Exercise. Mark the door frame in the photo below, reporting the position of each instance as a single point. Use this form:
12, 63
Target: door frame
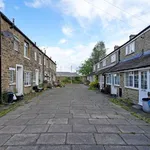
148, 84
36, 71
19, 66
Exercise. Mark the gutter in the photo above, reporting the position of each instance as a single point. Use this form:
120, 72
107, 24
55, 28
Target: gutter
0, 63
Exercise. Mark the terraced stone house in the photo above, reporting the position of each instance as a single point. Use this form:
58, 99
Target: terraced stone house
125, 72
21, 62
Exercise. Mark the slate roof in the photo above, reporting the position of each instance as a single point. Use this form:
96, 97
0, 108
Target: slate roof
139, 61
67, 74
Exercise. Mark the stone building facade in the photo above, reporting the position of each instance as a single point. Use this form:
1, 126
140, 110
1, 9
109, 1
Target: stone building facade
129, 75
22, 62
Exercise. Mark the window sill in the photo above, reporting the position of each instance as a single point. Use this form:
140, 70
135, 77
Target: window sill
129, 87
116, 85
16, 50
27, 57
40, 64
27, 85
12, 84
108, 83
129, 54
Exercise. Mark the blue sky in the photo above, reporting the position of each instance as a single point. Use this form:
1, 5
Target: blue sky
69, 29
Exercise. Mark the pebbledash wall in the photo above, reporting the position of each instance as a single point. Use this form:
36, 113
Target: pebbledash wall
13, 55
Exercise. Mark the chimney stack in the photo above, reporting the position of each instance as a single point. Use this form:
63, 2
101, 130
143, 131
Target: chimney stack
115, 47
131, 36
35, 43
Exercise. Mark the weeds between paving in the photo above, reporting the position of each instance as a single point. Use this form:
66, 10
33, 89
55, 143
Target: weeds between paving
127, 105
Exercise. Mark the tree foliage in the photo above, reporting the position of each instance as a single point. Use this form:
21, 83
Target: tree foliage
86, 67
98, 52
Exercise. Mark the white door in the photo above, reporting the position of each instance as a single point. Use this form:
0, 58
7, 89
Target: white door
113, 88
101, 82
37, 77
144, 86
19, 79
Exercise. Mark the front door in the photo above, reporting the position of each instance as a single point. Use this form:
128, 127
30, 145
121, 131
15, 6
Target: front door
37, 77
144, 85
19, 79
113, 88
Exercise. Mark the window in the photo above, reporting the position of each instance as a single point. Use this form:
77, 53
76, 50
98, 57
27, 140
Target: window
44, 61
40, 59
132, 79
116, 79
130, 48
144, 80
16, 43
11, 75
136, 79
35, 56
98, 65
26, 49
104, 62
47, 63
27, 78
113, 58
108, 79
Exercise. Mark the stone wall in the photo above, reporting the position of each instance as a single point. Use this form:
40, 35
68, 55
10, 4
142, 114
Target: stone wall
11, 57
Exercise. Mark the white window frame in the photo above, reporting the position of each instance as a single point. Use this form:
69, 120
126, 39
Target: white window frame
16, 43
40, 59
113, 58
98, 65
130, 48
11, 70
104, 62
35, 56
27, 78
132, 74
114, 76
26, 50
108, 79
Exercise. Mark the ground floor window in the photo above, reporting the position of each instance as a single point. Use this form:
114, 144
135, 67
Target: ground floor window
116, 79
11, 75
108, 78
144, 80
132, 79
27, 78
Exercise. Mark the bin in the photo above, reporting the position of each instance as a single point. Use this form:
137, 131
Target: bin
146, 104
10, 97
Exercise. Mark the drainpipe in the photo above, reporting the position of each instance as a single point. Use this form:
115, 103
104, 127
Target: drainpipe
0, 63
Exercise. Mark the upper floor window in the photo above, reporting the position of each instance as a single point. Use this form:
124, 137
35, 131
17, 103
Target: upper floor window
44, 61
47, 63
35, 56
94, 67
98, 65
130, 48
113, 58
26, 49
104, 62
40, 59
16, 43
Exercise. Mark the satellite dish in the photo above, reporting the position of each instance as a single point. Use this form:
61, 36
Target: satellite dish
7, 34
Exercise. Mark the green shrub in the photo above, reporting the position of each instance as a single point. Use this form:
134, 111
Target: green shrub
93, 85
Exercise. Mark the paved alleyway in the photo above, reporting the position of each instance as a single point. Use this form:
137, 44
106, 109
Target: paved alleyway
72, 118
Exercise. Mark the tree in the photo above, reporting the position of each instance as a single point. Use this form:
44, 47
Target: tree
99, 52
87, 67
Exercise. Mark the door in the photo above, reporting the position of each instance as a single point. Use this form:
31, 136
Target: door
144, 86
101, 82
37, 77
113, 88
19, 79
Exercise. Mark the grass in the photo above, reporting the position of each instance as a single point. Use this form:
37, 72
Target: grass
127, 105
92, 88
4, 109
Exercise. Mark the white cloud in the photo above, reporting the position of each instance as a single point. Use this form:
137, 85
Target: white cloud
38, 3
68, 31
65, 58
63, 41
2, 5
